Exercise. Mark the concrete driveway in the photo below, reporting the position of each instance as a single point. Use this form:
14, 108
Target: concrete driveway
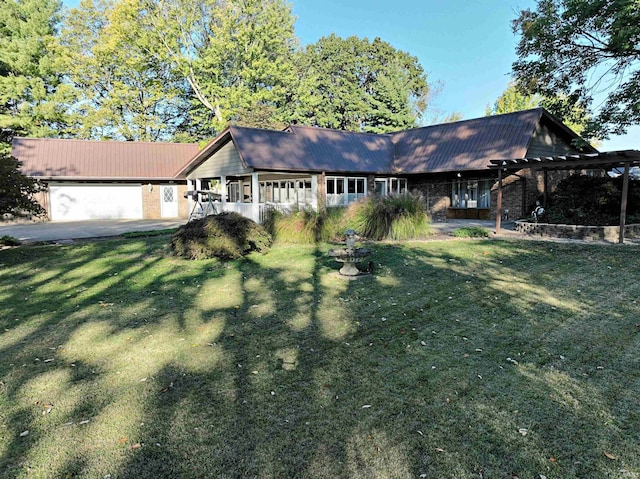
69, 230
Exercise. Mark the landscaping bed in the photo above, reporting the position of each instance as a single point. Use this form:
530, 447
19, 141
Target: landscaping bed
579, 232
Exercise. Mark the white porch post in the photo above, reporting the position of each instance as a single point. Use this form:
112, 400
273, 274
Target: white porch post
223, 193
345, 189
314, 192
198, 184
255, 197
189, 198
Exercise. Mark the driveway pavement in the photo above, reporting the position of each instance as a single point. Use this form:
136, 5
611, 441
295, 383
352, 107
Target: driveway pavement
69, 230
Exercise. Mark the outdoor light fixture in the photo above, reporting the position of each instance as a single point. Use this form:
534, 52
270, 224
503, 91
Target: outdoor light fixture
150, 187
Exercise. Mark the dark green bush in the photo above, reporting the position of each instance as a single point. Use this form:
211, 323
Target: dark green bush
225, 236
471, 232
590, 200
7, 240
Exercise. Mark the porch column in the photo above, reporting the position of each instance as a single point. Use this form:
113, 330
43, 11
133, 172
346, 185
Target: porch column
314, 192
255, 197
499, 205
345, 188
545, 200
623, 203
223, 193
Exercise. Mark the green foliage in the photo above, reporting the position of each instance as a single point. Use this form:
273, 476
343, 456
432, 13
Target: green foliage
354, 84
224, 236
16, 190
124, 92
307, 226
395, 217
471, 232
7, 240
578, 48
589, 200
33, 99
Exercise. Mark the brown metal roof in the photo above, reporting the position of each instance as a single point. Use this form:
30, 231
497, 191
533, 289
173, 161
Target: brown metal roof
302, 148
101, 160
465, 145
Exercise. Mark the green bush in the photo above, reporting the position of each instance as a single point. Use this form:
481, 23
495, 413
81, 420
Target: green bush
471, 232
590, 200
396, 217
7, 240
225, 236
307, 226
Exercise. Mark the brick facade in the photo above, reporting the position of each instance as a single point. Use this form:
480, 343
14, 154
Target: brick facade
152, 201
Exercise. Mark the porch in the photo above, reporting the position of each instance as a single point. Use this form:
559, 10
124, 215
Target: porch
252, 195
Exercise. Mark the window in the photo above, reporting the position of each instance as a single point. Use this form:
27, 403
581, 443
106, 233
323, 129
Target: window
356, 188
287, 191
390, 186
471, 194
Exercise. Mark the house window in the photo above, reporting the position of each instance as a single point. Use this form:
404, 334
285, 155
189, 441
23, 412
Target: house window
390, 186
234, 192
287, 192
344, 190
471, 194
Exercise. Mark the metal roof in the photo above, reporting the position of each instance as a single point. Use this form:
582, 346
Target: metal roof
50, 158
465, 145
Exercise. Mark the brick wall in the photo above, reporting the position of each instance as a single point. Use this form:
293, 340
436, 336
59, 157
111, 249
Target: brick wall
151, 201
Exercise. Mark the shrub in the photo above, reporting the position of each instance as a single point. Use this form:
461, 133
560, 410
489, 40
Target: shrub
225, 236
396, 217
7, 240
471, 232
306, 226
589, 200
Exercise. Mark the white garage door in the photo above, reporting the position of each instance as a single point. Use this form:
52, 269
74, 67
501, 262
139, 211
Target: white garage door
95, 202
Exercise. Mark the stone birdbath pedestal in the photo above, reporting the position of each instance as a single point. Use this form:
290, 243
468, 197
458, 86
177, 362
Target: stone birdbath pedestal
349, 256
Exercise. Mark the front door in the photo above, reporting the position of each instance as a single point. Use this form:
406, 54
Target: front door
169, 201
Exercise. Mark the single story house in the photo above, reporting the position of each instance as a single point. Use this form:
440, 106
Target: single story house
107, 179
251, 170
256, 169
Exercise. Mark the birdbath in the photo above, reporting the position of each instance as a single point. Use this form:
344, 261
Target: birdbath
350, 255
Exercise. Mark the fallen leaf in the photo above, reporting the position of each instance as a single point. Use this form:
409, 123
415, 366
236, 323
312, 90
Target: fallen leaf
523, 431
86, 421
24, 433
366, 406
552, 459
439, 449
122, 440
137, 445
611, 456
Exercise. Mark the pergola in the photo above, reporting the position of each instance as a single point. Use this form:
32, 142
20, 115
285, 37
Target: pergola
588, 161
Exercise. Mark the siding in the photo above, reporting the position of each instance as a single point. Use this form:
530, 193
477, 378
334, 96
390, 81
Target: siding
224, 162
544, 142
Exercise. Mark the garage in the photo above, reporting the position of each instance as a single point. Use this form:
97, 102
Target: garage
70, 202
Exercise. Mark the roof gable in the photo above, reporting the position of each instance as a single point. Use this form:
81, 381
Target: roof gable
50, 158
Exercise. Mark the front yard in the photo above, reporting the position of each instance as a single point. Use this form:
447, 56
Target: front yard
458, 359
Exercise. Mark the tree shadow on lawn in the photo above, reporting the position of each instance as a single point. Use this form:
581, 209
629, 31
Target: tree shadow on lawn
274, 367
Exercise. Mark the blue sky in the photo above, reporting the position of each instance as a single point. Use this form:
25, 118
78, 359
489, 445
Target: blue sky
467, 45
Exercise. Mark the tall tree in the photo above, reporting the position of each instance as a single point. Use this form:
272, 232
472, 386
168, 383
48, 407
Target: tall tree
578, 49
124, 93
354, 84
236, 55
33, 99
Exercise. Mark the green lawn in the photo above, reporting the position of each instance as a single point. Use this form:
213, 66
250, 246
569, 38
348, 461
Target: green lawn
458, 359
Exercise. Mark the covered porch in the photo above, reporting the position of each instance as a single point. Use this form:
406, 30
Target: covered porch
253, 194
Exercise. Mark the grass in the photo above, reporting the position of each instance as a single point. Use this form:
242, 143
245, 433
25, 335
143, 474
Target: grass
471, 232
149, 233
454, 360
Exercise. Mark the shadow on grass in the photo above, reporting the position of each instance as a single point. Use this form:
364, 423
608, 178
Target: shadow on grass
457, 359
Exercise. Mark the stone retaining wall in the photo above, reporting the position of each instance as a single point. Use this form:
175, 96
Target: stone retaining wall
606, 233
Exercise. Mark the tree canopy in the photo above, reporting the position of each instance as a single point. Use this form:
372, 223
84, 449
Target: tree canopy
149, 70
580, 49
354, 84
33, 99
